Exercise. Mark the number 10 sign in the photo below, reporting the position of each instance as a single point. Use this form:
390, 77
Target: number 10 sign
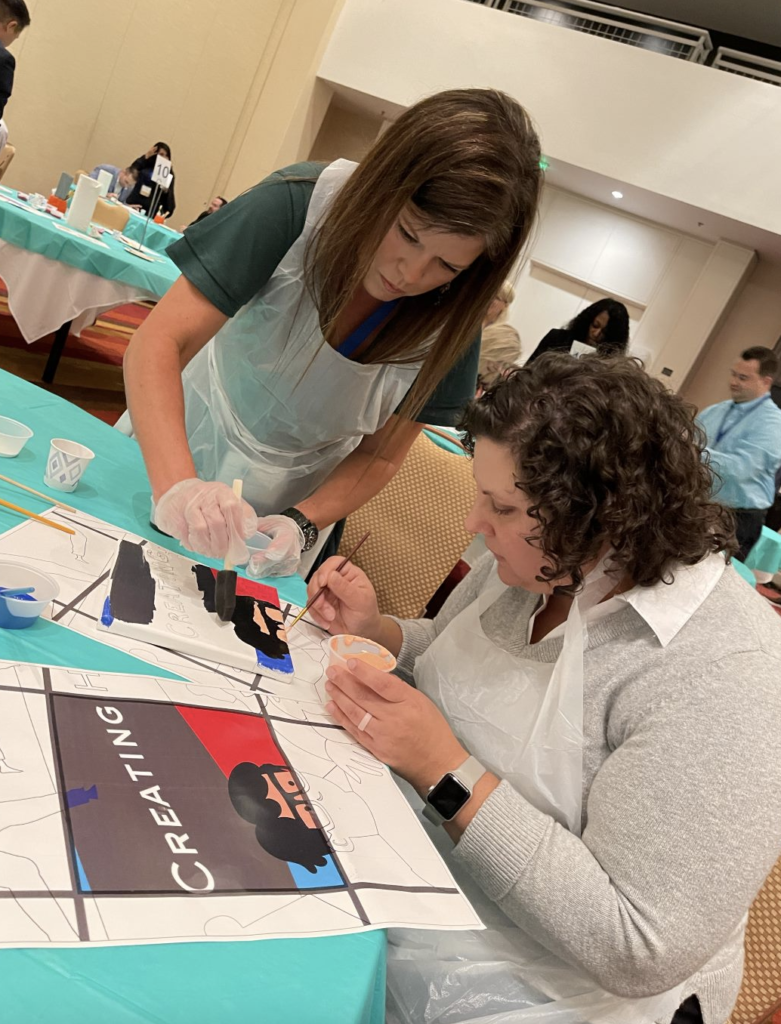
162, 173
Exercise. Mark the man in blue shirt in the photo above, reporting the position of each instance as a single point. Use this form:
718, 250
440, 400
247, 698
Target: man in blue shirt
744, 443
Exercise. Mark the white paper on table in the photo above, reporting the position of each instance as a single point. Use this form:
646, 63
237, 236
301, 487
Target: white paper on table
136, 769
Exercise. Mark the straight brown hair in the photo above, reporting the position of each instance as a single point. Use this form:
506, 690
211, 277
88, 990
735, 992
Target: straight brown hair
465, 161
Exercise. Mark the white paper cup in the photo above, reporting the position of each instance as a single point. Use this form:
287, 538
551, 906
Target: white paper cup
13, 437
66, 464
345, 646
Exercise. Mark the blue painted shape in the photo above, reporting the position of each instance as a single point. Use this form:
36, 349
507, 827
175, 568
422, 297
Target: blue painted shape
323, 876
277, 664
79, 797
84, 885
106, 618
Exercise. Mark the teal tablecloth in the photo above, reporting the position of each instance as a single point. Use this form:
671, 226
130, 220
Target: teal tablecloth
158, 236
294, 981
43, 234
766, 553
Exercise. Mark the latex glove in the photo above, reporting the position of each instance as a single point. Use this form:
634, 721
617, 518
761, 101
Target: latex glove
208, 518
349, 602
283, 555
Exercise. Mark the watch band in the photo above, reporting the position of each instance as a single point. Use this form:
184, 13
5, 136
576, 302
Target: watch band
307, 527
468, 774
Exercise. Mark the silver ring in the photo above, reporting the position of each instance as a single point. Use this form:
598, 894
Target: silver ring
365, 721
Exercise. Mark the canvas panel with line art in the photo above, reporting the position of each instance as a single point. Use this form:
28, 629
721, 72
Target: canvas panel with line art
167, 600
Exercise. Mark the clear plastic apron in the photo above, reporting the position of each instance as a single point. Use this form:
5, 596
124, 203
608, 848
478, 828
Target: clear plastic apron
524, 721
269, 401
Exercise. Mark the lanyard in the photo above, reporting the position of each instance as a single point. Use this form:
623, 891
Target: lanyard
723, 431
362, 331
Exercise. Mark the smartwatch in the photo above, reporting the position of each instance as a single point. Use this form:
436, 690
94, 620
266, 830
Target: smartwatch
446, 798
308, 528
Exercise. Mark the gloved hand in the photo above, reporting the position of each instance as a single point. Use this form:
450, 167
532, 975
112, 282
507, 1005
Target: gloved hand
208, 518
283, 555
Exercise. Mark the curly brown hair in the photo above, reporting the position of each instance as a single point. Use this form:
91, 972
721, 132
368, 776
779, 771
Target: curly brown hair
605, 453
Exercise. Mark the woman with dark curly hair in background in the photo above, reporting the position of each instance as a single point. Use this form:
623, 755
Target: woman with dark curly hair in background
603, 325
589, 719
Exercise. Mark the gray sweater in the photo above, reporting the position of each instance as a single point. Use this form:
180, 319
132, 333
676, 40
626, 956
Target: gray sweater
681, 795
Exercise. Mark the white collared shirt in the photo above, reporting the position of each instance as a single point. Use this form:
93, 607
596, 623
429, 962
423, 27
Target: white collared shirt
666, 608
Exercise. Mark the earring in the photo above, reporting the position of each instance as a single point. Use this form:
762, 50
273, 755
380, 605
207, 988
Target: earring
441, 292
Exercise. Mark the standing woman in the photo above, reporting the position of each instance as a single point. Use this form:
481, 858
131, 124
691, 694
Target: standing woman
321, 319
604, 325
142, 194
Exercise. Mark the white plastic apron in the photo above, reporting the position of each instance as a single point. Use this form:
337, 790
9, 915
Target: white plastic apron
270, 401
524, 721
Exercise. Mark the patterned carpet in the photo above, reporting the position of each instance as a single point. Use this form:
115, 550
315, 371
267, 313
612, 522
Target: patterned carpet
90, 372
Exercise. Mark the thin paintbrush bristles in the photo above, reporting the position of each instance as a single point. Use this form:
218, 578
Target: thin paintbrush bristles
339, 568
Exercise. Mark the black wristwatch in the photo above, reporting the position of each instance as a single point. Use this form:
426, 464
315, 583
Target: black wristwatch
308, 528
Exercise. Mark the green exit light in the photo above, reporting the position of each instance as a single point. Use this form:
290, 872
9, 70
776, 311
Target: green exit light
544, 164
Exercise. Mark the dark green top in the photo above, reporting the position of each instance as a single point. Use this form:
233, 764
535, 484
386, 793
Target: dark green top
230, 256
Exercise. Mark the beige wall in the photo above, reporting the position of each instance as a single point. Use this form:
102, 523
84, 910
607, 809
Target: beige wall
344, 133
231, 87
755, 319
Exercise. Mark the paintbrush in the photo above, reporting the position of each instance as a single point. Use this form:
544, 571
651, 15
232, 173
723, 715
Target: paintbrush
37, 518
38, 494
225, 585
339, 568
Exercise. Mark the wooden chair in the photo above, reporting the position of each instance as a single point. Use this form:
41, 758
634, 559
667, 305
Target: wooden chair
7, 154
761, 986
417, 528
111, 215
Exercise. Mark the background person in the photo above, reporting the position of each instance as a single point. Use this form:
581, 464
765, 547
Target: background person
344, 304
216, 204
500, 305
143, 193
14, 19
500, 350
608, 672
123, 180
744, 444
604, 325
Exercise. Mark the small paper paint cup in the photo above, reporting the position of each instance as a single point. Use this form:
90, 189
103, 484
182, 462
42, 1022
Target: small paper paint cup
66, 465
23, 612
13, 437
345, 647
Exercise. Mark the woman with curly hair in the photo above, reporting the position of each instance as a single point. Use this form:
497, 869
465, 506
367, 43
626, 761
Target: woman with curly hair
588, 716
604, 326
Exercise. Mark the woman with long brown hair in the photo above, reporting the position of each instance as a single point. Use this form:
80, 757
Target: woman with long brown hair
321, 319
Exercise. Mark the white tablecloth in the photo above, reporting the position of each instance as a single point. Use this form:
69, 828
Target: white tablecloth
43, 294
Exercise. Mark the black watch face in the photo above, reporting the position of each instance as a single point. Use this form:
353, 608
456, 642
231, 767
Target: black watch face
448, 796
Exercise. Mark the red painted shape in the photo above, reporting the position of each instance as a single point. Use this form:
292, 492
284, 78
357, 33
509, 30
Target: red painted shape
231, 738
252, 588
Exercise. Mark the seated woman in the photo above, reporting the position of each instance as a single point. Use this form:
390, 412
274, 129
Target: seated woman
604, 326
589, 716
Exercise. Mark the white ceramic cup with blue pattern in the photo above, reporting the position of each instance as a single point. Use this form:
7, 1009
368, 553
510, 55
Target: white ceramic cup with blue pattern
66, 464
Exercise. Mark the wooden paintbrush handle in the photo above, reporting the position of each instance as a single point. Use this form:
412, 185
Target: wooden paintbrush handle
37, 518
238, 486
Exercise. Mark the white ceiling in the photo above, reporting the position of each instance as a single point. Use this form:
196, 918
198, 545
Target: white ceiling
703, 224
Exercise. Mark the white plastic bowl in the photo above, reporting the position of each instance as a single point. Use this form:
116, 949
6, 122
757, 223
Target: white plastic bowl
13, 437
21, 612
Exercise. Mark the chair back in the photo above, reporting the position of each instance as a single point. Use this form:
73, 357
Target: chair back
7, 153
111, 215
417, 528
